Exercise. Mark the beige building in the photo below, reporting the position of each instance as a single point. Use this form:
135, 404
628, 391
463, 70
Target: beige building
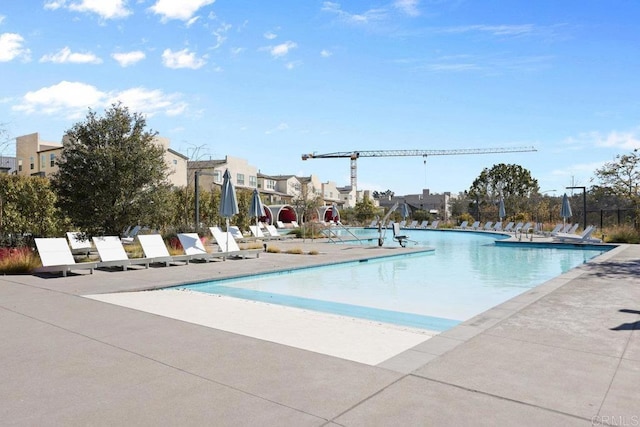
243, 175
37, 157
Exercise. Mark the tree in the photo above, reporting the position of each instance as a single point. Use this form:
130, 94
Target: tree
110, 172
383, 194
365, 209
27, 205
512, 182
622, 178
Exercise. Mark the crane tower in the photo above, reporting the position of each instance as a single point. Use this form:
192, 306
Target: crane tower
355, 155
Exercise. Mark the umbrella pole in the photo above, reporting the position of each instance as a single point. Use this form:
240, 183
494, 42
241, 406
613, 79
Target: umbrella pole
227, 235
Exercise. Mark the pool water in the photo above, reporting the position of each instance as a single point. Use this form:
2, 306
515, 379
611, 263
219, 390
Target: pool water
465, 275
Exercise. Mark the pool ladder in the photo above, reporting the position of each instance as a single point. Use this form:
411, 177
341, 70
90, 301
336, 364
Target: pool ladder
334, 238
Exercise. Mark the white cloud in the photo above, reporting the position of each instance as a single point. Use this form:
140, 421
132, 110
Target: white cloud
280, 128
2, 17
408, 7
178, 9
293, 64
325, 53
11, 47
235, 51
72, 99
128, 58
106, 9
68, 98
368, 16
66, 56
220, 34
149, 102
282, 49
269, 35
626, 140
496, 30
181, 59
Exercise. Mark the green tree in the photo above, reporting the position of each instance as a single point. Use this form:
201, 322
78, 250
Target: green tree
111, 172
621, 178
512, 182
27, 205
365, 210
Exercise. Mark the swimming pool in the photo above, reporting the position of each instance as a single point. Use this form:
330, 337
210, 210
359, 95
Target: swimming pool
465, 275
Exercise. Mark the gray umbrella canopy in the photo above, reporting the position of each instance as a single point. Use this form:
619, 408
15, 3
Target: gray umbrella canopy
502, 213
256, 209
565, 211
404, 210
228, 201
334, 212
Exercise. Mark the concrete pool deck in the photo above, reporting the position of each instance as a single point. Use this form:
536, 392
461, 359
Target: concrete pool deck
566, 352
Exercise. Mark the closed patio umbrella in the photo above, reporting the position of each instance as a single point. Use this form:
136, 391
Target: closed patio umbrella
501, 211
228, 201
565, 211
404, 210
256, 208
334, 213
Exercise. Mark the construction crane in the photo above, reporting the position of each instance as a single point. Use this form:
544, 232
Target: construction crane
354, 155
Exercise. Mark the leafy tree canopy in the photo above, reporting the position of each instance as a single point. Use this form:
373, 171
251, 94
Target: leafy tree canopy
621, 178
111, 173
512, 182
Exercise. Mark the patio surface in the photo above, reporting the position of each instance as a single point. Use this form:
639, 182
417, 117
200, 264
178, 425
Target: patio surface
564, 353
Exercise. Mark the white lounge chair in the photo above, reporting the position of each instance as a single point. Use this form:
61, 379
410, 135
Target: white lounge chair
275, 234
403, 223
236, 233
497, 226
413, 224
78, 244
112, 253
424, 224
194, 248
154, 248
229, 247
256, 231
434, 224
488, 225
509, 227
463, 225
295, 224
585, 237
475, 225
56, 256
129, 238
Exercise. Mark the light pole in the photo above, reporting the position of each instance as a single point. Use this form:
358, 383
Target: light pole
584, 203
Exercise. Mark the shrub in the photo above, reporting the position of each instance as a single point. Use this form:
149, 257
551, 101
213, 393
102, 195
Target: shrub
273, 249
18, 260
295, 251
621, 234
313, 252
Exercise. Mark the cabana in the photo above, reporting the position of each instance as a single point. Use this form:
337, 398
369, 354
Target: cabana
283, 213
326, 213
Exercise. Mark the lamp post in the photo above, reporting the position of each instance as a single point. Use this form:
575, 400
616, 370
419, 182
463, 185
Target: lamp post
584, 203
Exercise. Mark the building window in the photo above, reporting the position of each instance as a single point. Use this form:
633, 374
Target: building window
240, 179
217, 176
43, 161
253, 181
32, 165
175, 162
19, 165
52, 159
271, 184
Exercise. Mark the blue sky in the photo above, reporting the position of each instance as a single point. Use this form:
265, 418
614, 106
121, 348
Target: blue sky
271, 80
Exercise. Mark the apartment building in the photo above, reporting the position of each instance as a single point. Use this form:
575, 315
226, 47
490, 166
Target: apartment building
37, 157
211, 172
